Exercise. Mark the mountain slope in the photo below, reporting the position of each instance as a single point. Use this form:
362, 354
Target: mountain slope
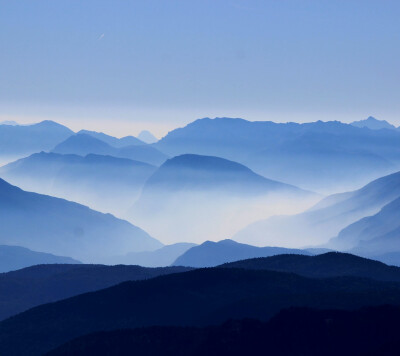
193, 197
210, 254
84, 144
57, 226
326, 219
105, 183
48, 283
347, 156
16, 257
200, 297
373, 235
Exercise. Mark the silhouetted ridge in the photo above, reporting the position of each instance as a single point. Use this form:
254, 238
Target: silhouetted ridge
194, 298
331, 264
296, 331
51, 282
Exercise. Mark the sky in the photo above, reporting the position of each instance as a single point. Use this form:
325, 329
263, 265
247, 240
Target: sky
122, 66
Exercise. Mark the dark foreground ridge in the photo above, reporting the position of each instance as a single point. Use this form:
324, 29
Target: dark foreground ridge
297, 331
48, 283
331, 264
196, 298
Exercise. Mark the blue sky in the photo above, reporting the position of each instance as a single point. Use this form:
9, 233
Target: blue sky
126, 65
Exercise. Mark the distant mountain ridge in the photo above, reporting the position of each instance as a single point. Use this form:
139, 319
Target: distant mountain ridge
373, 124
147, 136
17, 140
113, 141
211, 254
106, 183
17, 257
346, 156
84, 144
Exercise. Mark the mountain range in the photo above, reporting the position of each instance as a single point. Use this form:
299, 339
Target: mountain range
326, 265
193, 298
105, 183
17, 141
32, 286
57, 226
346, 156
113, 141
326, 219
193, 196
83, 144
374, 124
294, 331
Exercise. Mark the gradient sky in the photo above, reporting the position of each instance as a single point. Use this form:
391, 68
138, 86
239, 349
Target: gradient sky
121, 66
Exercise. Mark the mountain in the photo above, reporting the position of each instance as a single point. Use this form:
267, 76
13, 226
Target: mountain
195, 298
113, 141
210, 254
8, 122
326, 219
373, 124
327, 265
48, 283
84, 144
147, 136
162, 257
294, 331
346, 156
105, 183
193, 197
52, 225
17, 141
16, 257
374, 235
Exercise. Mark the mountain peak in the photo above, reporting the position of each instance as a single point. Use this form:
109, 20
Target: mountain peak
374, 124
147, 137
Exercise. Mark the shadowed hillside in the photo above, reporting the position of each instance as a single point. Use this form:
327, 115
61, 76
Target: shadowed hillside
294, 331
28, 287
199, 297
62, 227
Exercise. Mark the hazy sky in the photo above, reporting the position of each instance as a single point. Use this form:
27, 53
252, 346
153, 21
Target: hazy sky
121, 65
